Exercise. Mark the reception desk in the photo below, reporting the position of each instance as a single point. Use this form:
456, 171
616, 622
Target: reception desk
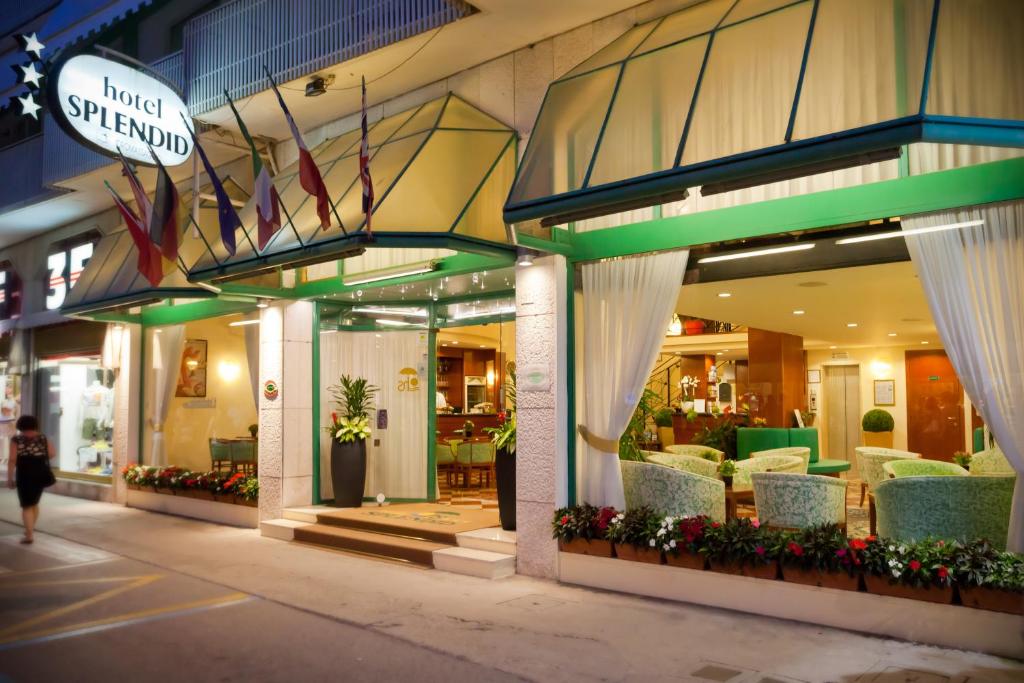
684, 430
451, 425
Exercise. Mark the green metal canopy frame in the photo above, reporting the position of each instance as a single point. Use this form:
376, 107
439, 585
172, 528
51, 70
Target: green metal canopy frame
440, 171
111, 281
646, 118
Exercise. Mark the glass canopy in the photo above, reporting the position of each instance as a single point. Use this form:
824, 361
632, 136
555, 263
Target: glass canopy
440, 173
737, 93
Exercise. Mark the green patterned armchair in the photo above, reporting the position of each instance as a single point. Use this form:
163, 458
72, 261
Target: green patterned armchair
767, 463
672, 492
870, 460
684, 463
991, 461
962, 508
915, 467
798, 451
694, 450
799, 501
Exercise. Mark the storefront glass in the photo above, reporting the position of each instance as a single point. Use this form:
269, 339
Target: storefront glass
76, 397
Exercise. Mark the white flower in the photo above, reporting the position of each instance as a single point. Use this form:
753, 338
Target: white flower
892, 547
665, 547
669, 520
896, 573
653, 544
672, 543
903, 550
661, 532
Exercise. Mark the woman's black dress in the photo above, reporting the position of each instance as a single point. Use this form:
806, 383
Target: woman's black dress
32, 468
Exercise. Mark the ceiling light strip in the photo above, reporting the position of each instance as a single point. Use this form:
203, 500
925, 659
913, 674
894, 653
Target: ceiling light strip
906, 233
756, 252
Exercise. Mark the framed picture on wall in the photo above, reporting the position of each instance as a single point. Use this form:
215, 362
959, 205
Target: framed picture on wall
885, 392
192, 374
814, 376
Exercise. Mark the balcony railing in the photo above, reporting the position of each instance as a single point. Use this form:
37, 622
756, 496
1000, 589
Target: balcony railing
227, 47
172, 68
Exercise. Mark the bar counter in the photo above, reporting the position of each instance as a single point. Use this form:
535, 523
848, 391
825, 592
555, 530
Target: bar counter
451, 425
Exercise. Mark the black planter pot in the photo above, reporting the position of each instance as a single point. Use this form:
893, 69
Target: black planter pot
348, 473
505, 471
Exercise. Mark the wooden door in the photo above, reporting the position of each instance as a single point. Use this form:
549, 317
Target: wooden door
935, 408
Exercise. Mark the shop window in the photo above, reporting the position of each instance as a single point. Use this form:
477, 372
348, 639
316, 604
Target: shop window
76, 397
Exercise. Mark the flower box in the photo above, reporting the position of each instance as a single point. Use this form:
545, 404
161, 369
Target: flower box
164, 490
757, 571
633, 553
814, 577
686, 560
248, 503
879, 585
581, 546
993, 599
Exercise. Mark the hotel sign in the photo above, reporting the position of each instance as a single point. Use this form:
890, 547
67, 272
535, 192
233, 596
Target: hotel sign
109, 106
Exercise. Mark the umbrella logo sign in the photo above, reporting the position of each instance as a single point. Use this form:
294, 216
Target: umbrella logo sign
270, 390
409, 380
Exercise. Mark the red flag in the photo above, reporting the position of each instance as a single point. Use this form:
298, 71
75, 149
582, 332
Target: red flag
149, 264
364, 168
309, 175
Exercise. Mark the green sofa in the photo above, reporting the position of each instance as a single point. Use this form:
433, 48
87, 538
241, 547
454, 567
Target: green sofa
752, 439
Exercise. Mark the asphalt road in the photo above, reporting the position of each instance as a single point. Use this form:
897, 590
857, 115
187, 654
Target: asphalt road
69, 612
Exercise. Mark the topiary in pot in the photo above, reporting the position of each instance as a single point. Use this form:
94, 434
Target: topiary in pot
878, 425
663, 421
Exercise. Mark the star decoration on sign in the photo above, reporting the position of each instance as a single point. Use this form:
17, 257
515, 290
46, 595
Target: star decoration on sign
29, 106
32, 44
30, 74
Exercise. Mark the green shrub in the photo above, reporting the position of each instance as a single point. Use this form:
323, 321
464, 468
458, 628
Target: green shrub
877, 420
663, 417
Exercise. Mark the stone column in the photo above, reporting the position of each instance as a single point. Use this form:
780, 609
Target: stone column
286, 422
541, 464
127, 408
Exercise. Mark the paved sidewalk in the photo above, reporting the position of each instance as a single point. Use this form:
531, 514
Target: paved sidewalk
534, 629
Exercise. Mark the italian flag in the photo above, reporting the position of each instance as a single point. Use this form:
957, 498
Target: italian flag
268, 209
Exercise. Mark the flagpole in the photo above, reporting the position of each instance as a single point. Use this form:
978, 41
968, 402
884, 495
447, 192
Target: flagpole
330, 201
195, 140
280, 203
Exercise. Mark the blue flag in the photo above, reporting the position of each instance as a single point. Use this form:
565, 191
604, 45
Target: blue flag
226, 214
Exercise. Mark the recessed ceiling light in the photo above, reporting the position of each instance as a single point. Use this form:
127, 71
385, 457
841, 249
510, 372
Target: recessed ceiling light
832, 347
482, 346
798, 311
725, 350
924, 342
812, 283
892, 334
851, 324
719, 353
724, 295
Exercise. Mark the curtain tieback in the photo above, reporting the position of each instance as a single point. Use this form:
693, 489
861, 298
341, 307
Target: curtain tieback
157, 426
595, 441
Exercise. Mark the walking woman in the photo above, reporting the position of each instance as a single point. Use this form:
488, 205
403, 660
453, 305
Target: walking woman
29, 465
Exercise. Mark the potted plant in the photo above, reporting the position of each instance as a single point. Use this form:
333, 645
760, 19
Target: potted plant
663, 421
727, 470
683, 540
583, 529
467, 428
822, 556
919, 571
878, 425
721, 436
963, 459
741, 546
253, 430
688, 384
504, 438
989, 579
634, 534
349, 429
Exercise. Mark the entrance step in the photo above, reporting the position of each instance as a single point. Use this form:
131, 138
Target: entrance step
493, 539
472, 562
305, 514
400, 548
281, 529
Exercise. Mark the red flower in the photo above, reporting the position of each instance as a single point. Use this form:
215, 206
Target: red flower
795, 548
915, 565
872, 538
858, 544
943, 572
564, 520
759, 550
604, 517
715, 524
841, 552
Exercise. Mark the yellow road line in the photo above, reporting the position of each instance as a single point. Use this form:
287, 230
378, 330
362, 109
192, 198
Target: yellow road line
69, 582
9, 575
141, 614
60, 611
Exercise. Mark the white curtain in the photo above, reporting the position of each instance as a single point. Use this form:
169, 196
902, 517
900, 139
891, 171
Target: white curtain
973, 278
627, 305
396, 456
167, 345
252, 357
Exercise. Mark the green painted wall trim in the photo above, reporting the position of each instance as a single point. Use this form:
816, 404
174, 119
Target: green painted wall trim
458, 264
183, 313
316, 405
981, 184
570, 380
431, 407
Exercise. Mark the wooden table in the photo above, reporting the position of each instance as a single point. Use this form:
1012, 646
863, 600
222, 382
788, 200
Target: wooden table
734, 498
